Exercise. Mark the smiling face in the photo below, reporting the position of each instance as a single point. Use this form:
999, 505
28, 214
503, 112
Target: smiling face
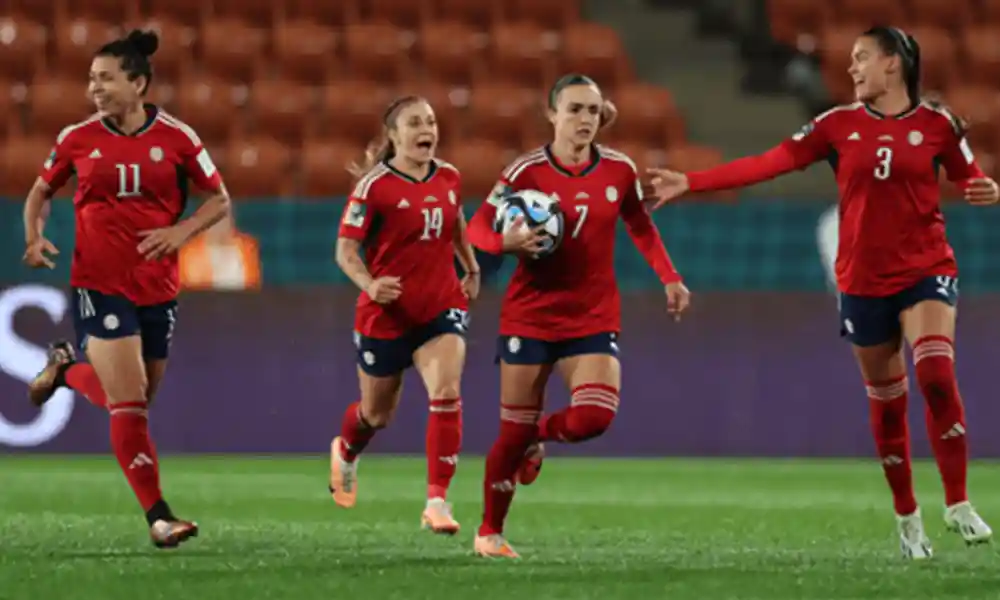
110, 88
577, 114
872, 69
414, 133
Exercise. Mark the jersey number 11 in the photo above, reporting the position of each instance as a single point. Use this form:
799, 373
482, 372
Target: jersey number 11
128, 180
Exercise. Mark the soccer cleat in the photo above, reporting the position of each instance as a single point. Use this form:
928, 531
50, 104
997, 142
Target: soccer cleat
343, 476
438, 518
531, 465
913, 542
170, 534
963, 519
494, 546
43, 385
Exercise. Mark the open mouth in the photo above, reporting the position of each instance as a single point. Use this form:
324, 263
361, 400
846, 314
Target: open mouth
425, 144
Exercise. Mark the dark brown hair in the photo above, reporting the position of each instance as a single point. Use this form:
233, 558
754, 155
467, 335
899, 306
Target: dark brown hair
893, 41
381, 148
608, 111
133, 52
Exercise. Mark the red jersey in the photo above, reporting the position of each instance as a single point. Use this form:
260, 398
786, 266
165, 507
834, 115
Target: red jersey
408, 230
573, 293
127, 184
892, 232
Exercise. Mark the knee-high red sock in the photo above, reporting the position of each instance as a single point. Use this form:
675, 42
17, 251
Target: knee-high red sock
444, 441
355, 432
518, 430
592, 408
81, 378
887, 410
134, 451
934, 357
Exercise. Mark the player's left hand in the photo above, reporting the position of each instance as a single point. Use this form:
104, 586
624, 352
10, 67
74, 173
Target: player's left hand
157, 243
470, 285
982, 191
678, 299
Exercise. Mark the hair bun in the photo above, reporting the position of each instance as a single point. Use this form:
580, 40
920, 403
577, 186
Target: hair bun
145, 42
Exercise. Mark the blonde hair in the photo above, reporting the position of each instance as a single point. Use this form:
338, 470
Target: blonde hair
381, 148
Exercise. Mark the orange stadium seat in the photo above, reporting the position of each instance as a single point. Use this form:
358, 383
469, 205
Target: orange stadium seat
979, 107
645, 113
174, 56
112, 11
981, 45
989, 11
55, 103
259, 13
22, 47
281, 109
331, 14
21, 161
189, 12
553, 15
479, 14
642, 154
695, 158
597, 51
481, 163
950, 14
835, 45
40, 12
324, 167
447, 103
378, 51
232, 49
258, 167
76, 40
862, 14
452, 52
305, 50
408, 14
206, 103
522, 53
790, 18
352, 110
938, 56
499, 111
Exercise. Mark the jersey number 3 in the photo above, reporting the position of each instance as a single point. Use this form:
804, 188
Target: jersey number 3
128, 180
884, 167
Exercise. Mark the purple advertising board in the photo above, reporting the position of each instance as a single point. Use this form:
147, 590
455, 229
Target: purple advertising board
745, 374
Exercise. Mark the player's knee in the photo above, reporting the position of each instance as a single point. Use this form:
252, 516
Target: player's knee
935, 368
377, 417
594, 407
449, 389
128, 387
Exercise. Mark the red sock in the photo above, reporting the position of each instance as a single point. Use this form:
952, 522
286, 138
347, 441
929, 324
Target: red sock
934, 357
444, 441
887, 410
134, 451
81, 378
355, 432
592, 408
518, 430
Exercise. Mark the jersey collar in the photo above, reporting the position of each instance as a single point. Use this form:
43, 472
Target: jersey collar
432, 169
575, 170
152, 112
876, 114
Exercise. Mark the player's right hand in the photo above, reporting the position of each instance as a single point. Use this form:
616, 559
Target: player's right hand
522, 240
667, 185
385, 290
36, 251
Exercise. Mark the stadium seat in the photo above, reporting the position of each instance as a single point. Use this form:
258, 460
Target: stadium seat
693, 157
448, 104
406, 14
979, 106
481, 15
378, 51
553, 15
175, 54
331, 14
646, 113
9, 109
56, 102
938, 56
989, 11
790, 18
206, 103
352, 110
498, 111
642, 154
258, 167
111, 11
522, 53
189, 12
43, 13
281, 109
21, 162
22, 47
76, 40
452, 52
232, 49
481, 163
950, 14
324, 167
835, 46
305, 50
258, 13
862, 14
597, 51
981, 45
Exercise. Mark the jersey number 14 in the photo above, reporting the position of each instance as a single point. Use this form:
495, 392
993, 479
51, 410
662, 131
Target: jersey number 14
128, 180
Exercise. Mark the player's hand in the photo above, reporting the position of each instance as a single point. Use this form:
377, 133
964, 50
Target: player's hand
678, 299
667, 185
385, 290
35, 254
982, 191
522, 240
157, 243
470, 285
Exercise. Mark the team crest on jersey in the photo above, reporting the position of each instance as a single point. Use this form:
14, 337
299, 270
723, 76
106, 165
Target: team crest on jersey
611, 193
156, 154
430, 199
915, 138
806, 130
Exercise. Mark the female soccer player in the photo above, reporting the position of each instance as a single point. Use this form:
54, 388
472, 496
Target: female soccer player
128, 205
895, 270
562, 312
406, 214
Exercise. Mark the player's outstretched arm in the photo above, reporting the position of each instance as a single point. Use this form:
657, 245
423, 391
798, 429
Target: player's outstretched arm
480, 230
37, 206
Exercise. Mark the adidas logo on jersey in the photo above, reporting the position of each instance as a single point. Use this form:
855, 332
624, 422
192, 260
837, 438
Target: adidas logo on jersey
854, 136
95, 154
404, 203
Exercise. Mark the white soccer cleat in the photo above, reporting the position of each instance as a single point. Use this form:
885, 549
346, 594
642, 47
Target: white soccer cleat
913, 542
963, 519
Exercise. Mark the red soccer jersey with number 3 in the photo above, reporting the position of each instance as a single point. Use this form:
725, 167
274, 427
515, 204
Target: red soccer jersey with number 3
127, 184
407, 229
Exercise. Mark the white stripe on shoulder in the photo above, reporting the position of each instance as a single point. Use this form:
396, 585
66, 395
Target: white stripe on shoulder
71, 128
443, 164
616, 155
366, 182
837, 109
523, 162
953, 120
172, 121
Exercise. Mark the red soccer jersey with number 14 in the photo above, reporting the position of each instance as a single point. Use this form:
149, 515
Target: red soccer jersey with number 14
407, 228
127, 184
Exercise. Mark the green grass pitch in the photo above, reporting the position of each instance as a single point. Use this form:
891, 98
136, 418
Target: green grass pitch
588, 529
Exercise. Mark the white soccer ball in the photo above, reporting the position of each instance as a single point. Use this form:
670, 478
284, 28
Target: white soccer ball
538, 210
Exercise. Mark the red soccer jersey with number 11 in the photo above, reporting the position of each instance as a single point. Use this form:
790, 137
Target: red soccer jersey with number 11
127, 184
891, 228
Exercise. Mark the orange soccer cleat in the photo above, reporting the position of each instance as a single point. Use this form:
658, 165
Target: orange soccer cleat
437, 517
343, 476
531, 466
494, 546
170, 534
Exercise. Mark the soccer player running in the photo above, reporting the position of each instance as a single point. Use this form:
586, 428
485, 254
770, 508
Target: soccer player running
896, 272
131, 161
562, 312
401, 231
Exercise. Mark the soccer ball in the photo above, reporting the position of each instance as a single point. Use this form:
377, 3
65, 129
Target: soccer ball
538, 210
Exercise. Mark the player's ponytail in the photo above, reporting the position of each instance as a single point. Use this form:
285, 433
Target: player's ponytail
133, 52
381, 148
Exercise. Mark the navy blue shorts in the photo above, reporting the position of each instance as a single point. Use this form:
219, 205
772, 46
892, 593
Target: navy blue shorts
107, 317
516, 350
869, 321
383, 358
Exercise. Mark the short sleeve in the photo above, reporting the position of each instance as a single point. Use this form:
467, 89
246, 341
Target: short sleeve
58, 167
196, 161
811, 144
956, 156
355, 222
